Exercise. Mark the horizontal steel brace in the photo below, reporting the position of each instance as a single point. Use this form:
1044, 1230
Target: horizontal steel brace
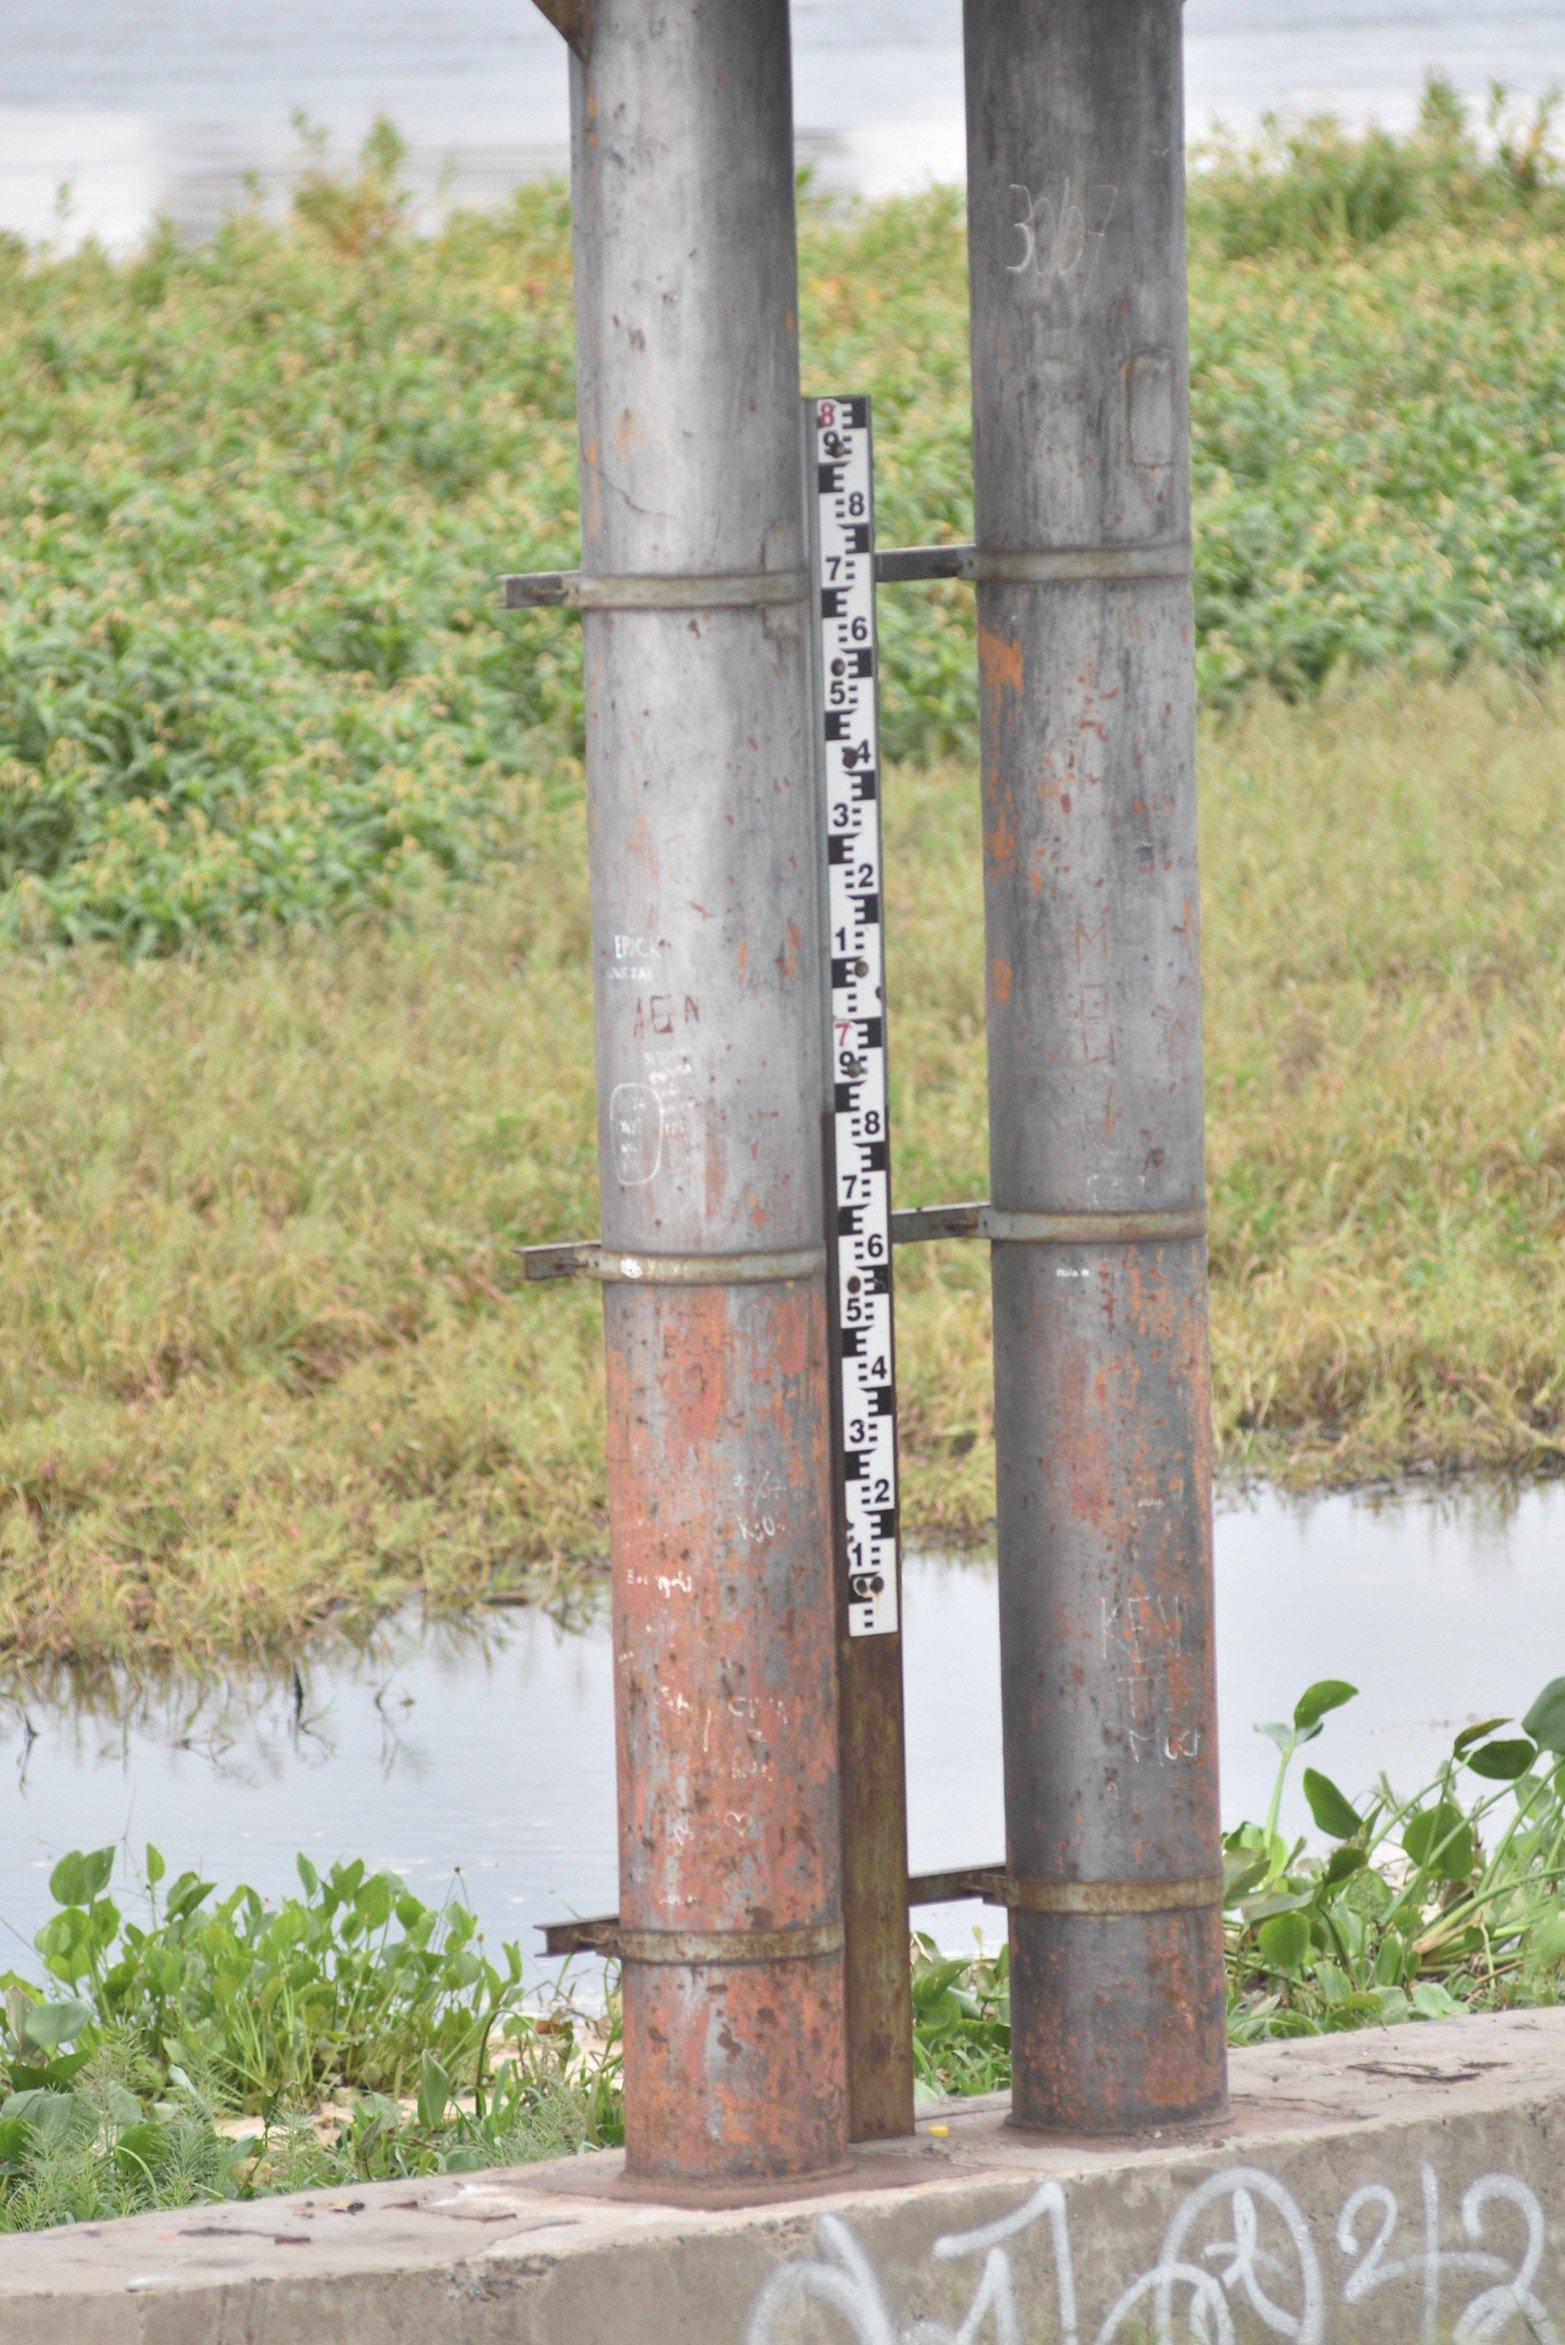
573, 18
612, 1266
805, 1944
582, 590
989, 1884
983, 1220
1053, 566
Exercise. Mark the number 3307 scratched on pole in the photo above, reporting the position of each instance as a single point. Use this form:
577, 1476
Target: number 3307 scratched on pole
845, 578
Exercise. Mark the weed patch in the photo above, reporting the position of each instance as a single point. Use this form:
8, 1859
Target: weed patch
255, 496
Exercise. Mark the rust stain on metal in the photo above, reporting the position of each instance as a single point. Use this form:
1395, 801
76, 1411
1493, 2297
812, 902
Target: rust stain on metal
1000, 979
1000, 661
1000, 828
724, 1629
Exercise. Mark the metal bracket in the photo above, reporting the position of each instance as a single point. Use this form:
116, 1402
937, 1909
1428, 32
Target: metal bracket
573, 19
1110, 1897
989, 1884
983, 1220
612, 1267
605, 1936
919, 1224
584, 590
1051, 566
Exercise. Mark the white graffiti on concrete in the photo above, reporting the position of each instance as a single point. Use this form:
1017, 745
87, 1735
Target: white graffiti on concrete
1267, 2262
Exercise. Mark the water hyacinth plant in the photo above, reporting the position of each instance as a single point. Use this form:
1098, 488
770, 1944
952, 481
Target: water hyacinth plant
1452, 1900
225, 2047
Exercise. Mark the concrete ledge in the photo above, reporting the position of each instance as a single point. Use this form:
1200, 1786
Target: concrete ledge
1404, 2186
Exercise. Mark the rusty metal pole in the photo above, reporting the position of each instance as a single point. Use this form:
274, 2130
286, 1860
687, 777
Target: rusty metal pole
704, 846
1081, 457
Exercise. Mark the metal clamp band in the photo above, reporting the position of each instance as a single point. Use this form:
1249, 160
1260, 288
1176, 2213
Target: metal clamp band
1092, 1229
1108, 1897
805, 1943
612, 1266
584, 590
1052, 566
982, 1220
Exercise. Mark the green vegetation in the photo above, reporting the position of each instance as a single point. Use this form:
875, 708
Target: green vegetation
230, 2049
254, 497
1422, 1908
269, 1359
278, 1119
225, 2049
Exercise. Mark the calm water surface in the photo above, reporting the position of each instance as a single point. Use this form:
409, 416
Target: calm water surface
491, 1754
148, 105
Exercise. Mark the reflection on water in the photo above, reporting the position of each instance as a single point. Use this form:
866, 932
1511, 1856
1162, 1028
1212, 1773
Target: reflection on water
142, 106
486, 1753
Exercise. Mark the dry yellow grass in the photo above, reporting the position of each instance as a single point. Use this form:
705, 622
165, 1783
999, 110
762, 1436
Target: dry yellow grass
266, 1357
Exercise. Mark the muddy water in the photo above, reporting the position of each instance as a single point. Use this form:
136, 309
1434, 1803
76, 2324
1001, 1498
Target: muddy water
488, 1756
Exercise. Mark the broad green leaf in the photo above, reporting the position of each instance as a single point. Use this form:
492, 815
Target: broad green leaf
49, 2025
1283, 1736
67, 1883
157, 1865
307, 1874
1432, 2001
1259, 1909
145, 2145
1329, 1693
1545, 1721
1503, 1762
1543, 1947
1440, 1840
1471, 1734
1356, 2009
374, 1902
1332, 1810
119, 2106
97, 1872
434, 2093
1242, 1871
1341, 1865
1284, 1941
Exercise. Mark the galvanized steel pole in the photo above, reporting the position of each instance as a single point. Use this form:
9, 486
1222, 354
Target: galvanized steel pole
710, 1018
1081, 455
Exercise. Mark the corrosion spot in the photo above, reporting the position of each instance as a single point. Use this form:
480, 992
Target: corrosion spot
1000, 979
1000, 661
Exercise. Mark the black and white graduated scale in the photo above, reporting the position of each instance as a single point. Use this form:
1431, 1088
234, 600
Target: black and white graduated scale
843, 536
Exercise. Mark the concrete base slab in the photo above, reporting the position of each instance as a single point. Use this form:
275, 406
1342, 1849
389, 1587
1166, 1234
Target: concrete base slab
1401, 2185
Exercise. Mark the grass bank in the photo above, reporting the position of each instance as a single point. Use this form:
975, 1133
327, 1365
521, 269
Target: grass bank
269, 1358
294, 1047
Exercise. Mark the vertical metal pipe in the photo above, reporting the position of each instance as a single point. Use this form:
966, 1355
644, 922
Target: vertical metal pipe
1081, 456
703, 833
